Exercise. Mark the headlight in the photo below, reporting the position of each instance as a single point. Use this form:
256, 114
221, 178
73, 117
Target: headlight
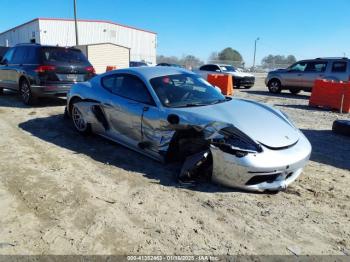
233, 141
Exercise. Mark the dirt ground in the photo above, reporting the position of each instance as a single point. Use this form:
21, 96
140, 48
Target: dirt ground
61, 193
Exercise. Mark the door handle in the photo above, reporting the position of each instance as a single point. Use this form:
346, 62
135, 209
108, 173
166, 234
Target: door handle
300, 74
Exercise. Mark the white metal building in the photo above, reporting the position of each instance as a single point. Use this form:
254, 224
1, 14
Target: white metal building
107, 54
53, 31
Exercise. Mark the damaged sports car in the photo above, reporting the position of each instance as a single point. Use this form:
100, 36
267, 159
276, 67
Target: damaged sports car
171, 114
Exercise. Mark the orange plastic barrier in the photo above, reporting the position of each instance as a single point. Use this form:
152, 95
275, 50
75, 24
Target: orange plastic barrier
331, 94
110, 68
224, 82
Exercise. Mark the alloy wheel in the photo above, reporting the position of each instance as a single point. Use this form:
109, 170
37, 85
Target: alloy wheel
25, 92
78, 119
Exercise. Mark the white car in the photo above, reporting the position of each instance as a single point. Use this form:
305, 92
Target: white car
239, 78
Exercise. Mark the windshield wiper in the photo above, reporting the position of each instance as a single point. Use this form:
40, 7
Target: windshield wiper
190, 105
218, 101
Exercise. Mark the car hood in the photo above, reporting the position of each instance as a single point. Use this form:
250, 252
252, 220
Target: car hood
260, 122
278, 71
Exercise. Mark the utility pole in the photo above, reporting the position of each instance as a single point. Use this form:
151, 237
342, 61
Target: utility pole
256, 40
76, 23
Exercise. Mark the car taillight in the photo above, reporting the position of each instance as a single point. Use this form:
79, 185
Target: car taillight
45, 68
90, 69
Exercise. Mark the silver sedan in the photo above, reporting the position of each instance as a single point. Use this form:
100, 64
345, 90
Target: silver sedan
171, 114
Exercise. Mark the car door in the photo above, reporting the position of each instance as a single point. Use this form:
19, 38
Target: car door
294, 75
124, 107
15, 67
4, 68
314, 70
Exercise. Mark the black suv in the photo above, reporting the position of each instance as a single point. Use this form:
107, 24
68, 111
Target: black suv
37, 70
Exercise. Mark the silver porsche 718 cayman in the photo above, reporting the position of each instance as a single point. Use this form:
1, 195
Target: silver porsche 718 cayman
171, 114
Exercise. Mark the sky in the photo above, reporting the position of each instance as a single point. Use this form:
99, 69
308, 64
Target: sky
304, 28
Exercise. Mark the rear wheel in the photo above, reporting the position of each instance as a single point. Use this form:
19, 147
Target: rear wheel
26, 93
295, 91
79, 122
275, 86
247, 87
1, 91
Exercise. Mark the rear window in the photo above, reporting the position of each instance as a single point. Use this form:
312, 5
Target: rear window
63, 55
339, 67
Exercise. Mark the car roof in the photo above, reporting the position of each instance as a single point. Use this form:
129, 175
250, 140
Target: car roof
153, 71
324, 59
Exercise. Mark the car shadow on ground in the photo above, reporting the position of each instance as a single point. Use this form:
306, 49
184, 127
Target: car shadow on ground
12, 99
281, 95
59, 131
304, 107
329, 148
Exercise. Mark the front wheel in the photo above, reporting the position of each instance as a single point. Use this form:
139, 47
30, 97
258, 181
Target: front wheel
275, 86
79, 122
247, 87
26, 93
1, 91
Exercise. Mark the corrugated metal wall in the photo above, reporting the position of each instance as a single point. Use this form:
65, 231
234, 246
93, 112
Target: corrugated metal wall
103, 55
141, 43
22, 34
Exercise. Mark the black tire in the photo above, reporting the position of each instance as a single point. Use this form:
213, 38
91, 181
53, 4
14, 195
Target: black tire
275, 86
341, 127
26, 93
295, 91
248, 87
1, 91
65, 114
78, 121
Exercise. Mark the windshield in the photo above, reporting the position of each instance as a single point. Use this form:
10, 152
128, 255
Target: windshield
228, 68
185, 90
58, 55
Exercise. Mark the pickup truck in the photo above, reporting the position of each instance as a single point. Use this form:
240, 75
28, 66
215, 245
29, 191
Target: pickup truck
239, 78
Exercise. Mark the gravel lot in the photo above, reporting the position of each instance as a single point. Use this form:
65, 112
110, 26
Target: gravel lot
61, 193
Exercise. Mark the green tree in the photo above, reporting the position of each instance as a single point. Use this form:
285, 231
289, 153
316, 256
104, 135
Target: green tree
273, 61
230, 55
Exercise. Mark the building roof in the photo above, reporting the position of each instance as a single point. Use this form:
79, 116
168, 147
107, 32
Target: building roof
79, 20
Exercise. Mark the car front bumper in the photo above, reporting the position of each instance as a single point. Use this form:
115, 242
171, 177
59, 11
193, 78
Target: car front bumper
270, 170
244, 81
51, 90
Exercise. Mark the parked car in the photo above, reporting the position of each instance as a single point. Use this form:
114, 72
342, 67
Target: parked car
170, 113
239, 78
302, 75
3, 50
167, 64
137, 64
37, 70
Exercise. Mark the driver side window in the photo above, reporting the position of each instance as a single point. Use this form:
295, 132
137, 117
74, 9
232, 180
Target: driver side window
128, 86
298, 67
7, 59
